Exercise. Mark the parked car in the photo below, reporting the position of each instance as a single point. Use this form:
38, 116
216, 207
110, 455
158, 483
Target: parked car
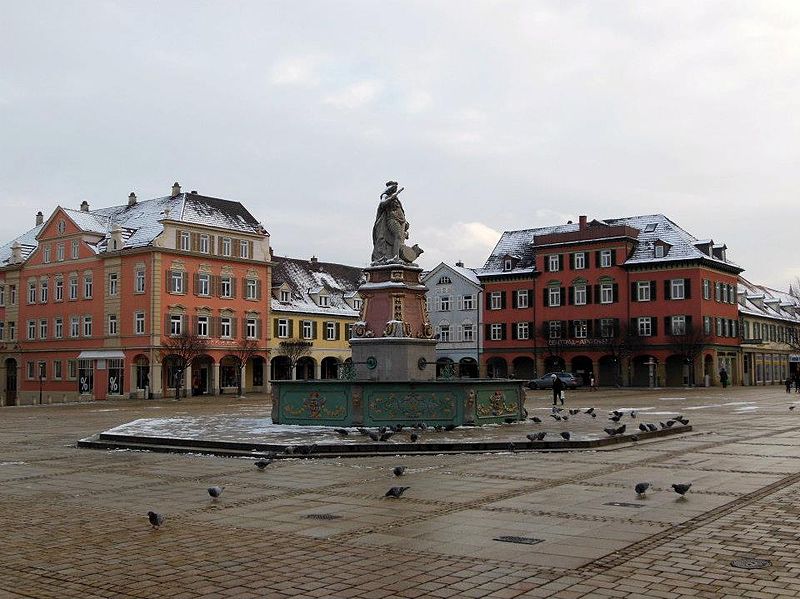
570, 381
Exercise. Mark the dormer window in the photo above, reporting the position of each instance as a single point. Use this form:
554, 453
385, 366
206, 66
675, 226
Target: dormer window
285, 296
184, 241
324, 301
507, 265
444, 280
357, 304
659, 251
650, 227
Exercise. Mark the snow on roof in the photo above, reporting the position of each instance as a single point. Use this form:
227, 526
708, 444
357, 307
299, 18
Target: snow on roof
28, 242
338, 281
763, 301
467, 273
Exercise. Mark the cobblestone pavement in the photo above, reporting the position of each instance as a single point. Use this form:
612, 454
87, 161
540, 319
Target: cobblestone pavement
74, 521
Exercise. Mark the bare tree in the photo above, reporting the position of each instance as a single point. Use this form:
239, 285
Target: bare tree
241, 353
553, 346
294, 349
180, 350
622, 343
689, 345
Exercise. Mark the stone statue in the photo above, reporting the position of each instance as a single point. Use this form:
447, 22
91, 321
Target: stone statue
391, 230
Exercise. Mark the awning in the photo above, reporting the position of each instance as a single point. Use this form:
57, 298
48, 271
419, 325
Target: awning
102, 354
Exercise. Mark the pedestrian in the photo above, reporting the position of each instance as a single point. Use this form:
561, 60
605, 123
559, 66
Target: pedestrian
797, 382
723, 377
788, 384
558, 390
592, 382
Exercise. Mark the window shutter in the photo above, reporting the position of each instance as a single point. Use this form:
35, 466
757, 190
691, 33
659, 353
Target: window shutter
561, 262
196, 277
185, 325
488, 301
530, 298
275, 328
572, 261
562, 327
291, 328
654, 323
688, 323
687, 289
547, 264
634, 292
570, 328
195, 241
653, 287
596, 294
213, 326
258, 328
503, 331
667, 326
545, 297
258, 289
185, 278
613, 257
571, 295
338, 329
514, 330
234, 322
168, 281
667, 289
211, 239
503, 299
488, 332
233, 287
166, 324
597, 258
250, 249
514, 303
563, 293
219, 245
589, 294
589, 328
634, 326
615, 292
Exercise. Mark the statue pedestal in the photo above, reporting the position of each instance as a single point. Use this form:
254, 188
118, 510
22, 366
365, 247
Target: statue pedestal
394, 341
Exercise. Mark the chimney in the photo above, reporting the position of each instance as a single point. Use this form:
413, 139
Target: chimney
84, 206
132, 199
116, 238
176, 189
16, 253
39, 218
314, 263
460, 264
582, 222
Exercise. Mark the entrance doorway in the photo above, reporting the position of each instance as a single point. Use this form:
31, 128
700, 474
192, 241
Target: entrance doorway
11, 382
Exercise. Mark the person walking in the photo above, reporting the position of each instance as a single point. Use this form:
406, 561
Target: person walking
592, 382
558, 390
797, 382
788, 384
723, 377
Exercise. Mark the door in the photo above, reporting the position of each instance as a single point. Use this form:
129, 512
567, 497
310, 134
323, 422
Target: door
11, 382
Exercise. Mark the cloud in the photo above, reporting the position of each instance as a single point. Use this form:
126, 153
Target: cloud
418, 101
296, 70
470, 242
356, 95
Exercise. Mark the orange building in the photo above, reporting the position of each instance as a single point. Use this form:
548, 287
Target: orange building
88, 299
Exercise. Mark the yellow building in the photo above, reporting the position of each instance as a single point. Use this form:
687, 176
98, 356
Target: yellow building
313, 307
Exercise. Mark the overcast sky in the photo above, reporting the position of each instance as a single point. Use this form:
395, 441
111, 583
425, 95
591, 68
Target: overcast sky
492, 115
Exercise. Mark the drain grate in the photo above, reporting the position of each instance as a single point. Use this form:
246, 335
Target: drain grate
751, 563
520, 540
623, 504
322, 516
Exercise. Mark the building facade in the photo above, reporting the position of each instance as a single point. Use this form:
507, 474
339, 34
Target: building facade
90, 299
315, 304
630, 301
453, 298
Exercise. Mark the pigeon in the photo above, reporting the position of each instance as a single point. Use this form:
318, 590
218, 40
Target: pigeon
536, 436
262, 464
215, 491
423, 426
373, 435
565, 418
343, 432
670, 423
451, 427
399, 470
594, 415
651, 427
156, 519
643, 427
382, 429
565, 435
634, 438
640, 488
633, 413
306, 449
615, 417
537, 420
574, 411
386, 436
396, 492
682, 420
682, 488
620, 430
617, 413
438, 427
557, 417
610, 431
396, 428
510, 420
363, 431
413, 437
792, 407
662, 425
589, 411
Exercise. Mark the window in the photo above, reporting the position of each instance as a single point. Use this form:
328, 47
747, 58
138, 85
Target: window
444, 280
31, 370
726, 329
308, 329
44, 288
58, 328
659, 251
553, 263
606, 293
139, 284
607, 328
87, 286
645, 326
226, 246
204, 284
176, 281
356, 304
579, 295
32, 292
244, 249
330, 331
605, 258
59, 289
507, 264
43, 329
2, 327
718, 291
283, 328
175, 324
73, 287
74, 326
252, 289
184, 241
555, 329
46, 255
85, 376
204, 243
676, 289
12, 330
522, 298
523, 330
226, 327
554, 296
138, 323
251, 328
496, 332
112, 324
31, 330
706, 289
725, 293
285, 296
444, 333
469, 302
324, 301
643, 291
42, 370
72, 369
61, 226
75, 249
468, 332
495, 300
580, 330
87, 326
350, 331
225, 287
678, 325
579, 261
57, 370
12, 295
60, 252
2, 295
444, 303
202, 326
113, 283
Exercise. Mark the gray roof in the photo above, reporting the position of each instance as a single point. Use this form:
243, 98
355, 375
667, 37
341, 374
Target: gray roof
28, 242
337, 281
763, 301
520, 244
467, 273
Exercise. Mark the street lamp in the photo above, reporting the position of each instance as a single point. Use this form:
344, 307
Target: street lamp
41, 380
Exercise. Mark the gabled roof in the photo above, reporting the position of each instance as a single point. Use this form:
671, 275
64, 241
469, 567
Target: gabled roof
304, 278
462, 271
763, 301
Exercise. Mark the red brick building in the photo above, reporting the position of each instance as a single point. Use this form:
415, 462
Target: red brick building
635, 301
89, 297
